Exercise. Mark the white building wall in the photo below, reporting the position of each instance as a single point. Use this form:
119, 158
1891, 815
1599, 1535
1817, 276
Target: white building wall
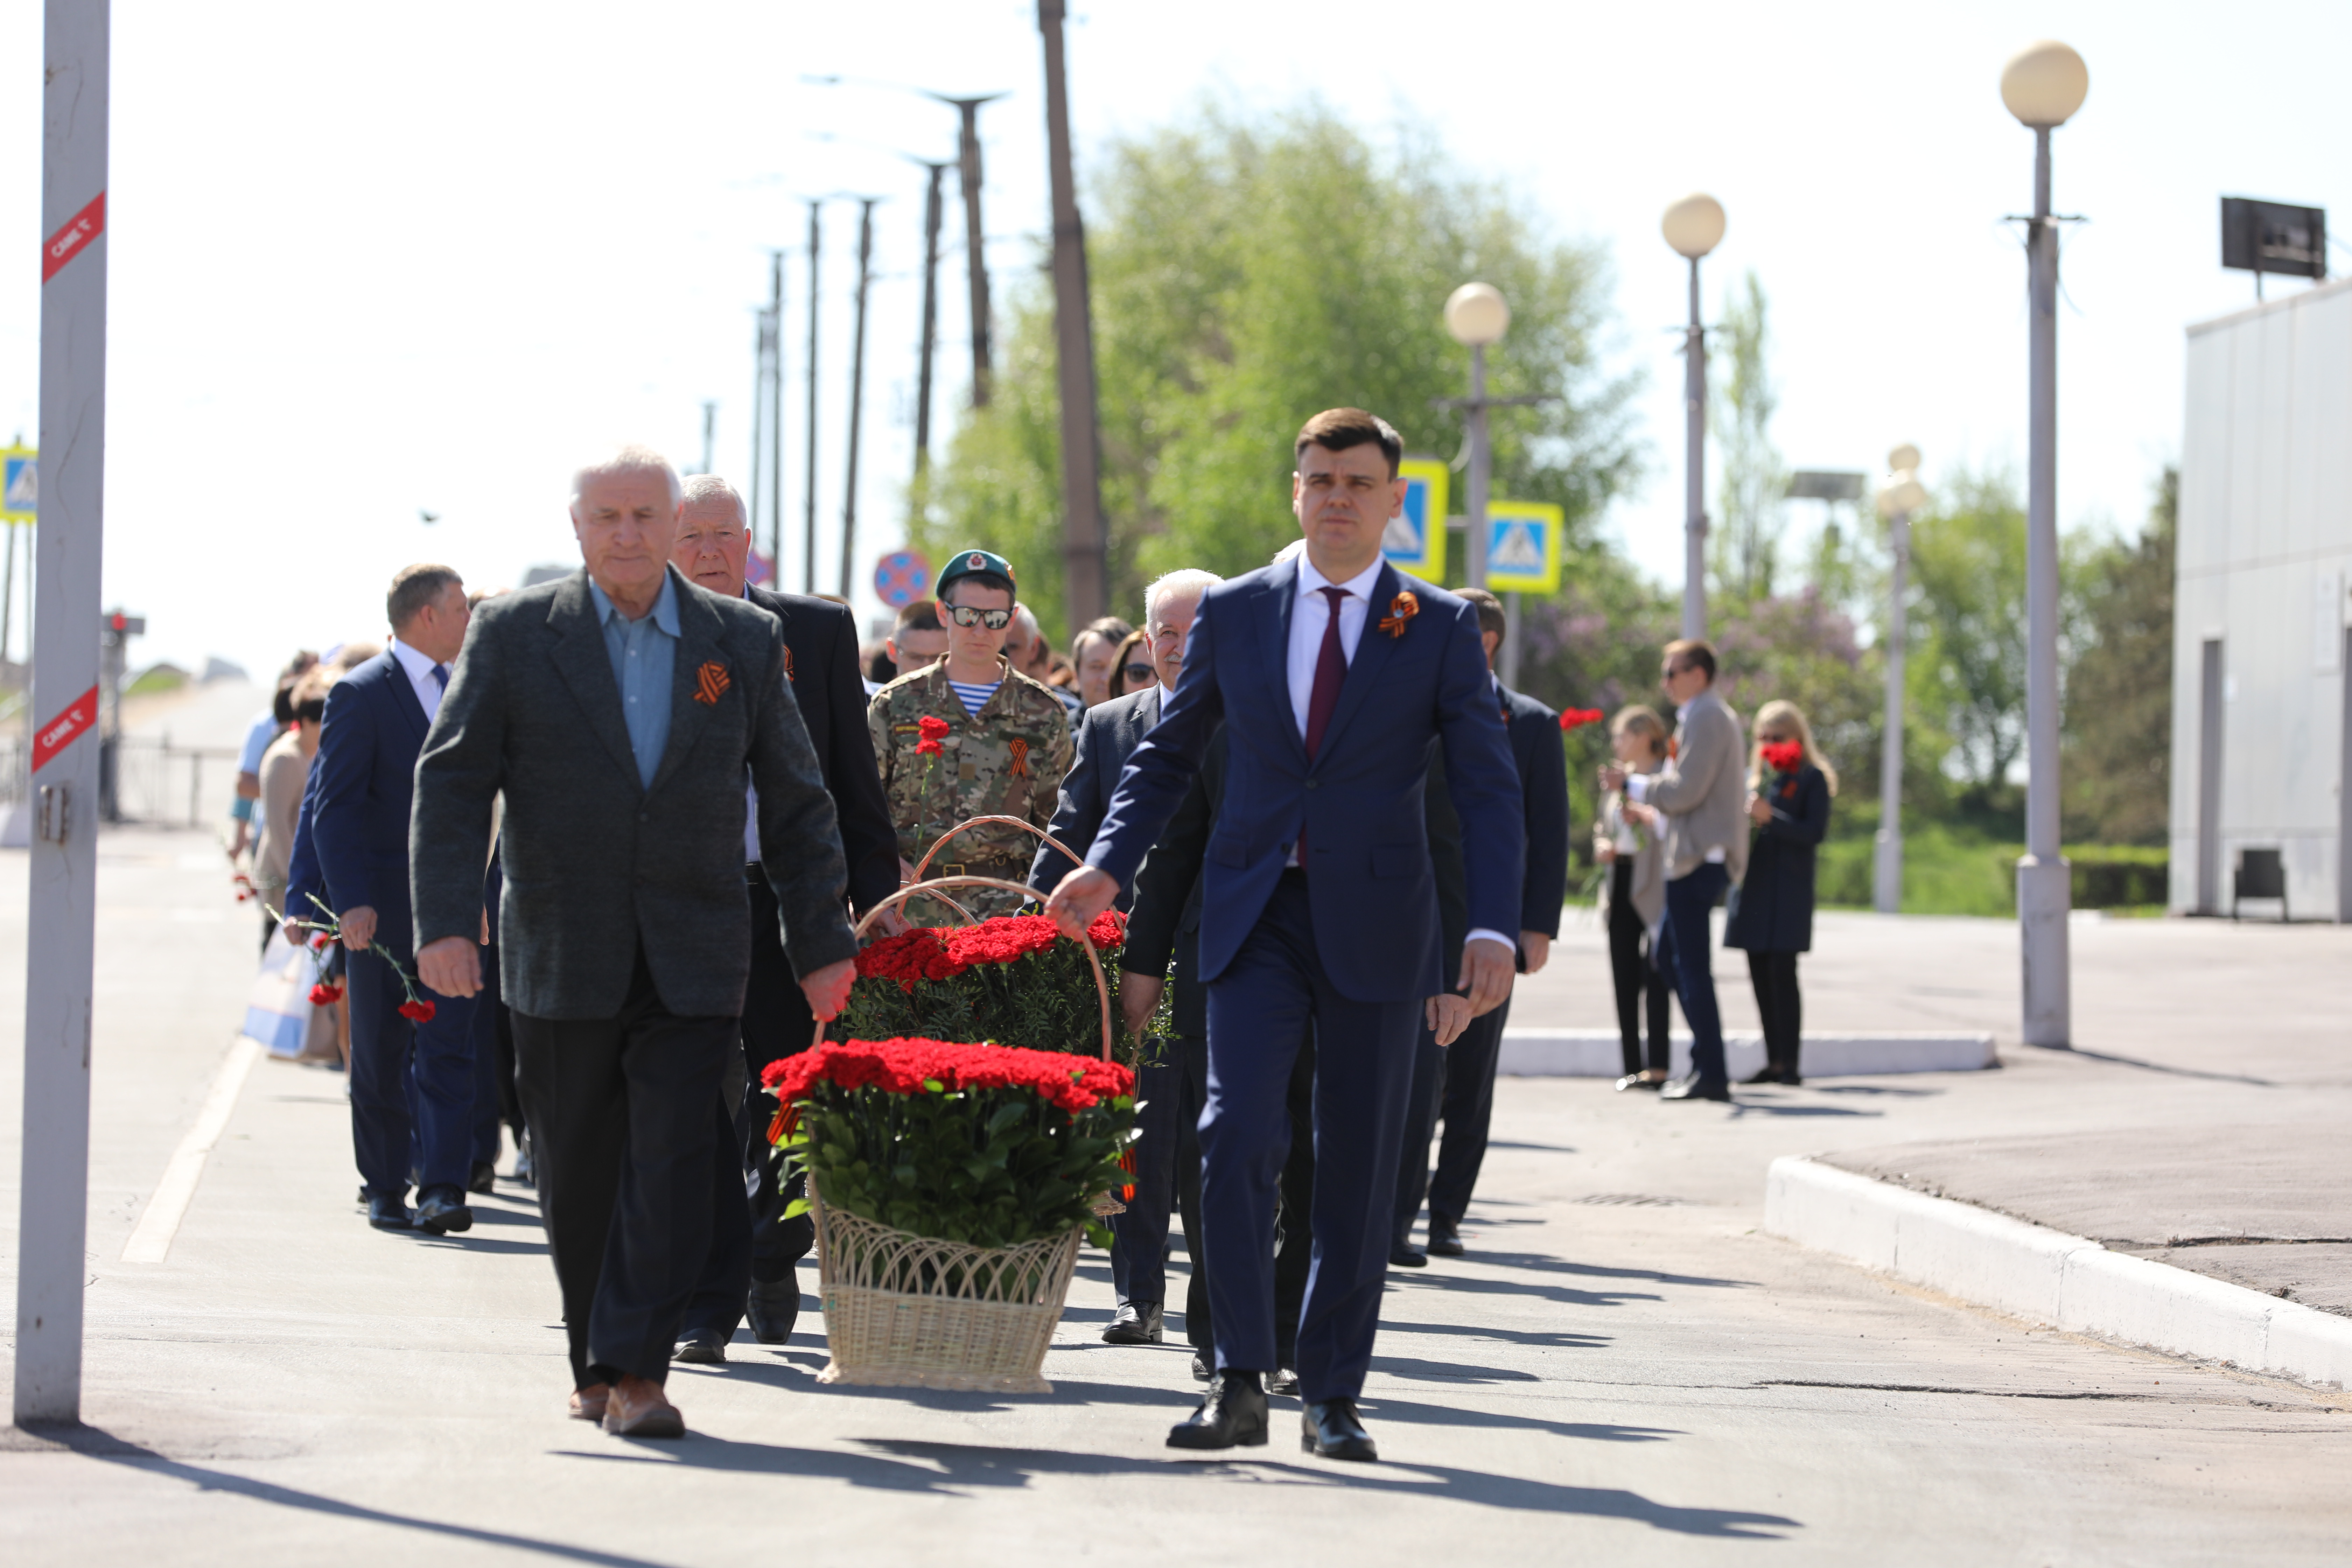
2264, 563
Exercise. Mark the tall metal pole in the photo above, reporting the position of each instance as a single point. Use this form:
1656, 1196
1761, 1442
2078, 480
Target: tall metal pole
1887, 892
932, 212
59, 935
1085, 545
775, 486
1695, 468
857, 389
975, 241
1474, 409
808, 480
2043, 892
762, 345
709, 434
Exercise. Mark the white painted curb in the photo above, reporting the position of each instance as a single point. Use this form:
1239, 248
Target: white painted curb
2049, 1277
1595, 1053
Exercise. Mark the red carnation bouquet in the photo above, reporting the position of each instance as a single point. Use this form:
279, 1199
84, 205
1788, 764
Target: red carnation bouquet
1014, 978
986, 1144
1782, 756
330, 929
1577, 718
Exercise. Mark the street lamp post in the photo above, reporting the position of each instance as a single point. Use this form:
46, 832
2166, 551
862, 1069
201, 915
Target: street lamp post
1477, 314
2042, 85
1902, 496
1693, 226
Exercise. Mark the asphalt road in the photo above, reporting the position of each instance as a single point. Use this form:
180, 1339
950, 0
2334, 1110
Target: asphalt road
1625, 1368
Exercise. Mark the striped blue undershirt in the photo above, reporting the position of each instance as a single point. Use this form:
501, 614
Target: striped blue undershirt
974, 698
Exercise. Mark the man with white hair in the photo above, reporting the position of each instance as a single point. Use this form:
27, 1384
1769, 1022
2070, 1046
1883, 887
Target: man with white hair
1026, 650
620, 710
1111, 731
754, 1252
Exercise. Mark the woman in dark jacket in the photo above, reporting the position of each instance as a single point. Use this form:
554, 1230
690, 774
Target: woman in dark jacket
1790, 785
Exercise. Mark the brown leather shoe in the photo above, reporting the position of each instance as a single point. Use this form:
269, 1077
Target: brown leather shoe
639, 1408
588, 1404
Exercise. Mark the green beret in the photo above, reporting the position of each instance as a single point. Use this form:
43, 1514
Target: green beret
965, 562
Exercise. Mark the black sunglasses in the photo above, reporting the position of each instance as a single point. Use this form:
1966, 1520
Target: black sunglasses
965, 615
1140, 672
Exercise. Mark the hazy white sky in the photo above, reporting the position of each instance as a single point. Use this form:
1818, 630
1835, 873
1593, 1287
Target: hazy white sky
370, 260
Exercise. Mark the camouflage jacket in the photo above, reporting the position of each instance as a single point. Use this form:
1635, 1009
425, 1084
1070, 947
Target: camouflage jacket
1007, 760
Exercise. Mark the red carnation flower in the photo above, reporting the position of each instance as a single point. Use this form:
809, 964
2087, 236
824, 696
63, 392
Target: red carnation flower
417, 1011
1109, 930
933, 729
318, 941
1577, 718
926, 747
1784, 756
323, 994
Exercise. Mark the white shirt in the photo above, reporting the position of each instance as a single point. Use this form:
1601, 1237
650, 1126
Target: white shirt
419, 670
1309, 619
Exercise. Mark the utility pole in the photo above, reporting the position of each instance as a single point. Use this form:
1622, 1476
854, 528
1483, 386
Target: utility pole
763, 349
61, 875
932, 205
1086, 544
709, 434
775, 424
975, 241
808, 542
857, 388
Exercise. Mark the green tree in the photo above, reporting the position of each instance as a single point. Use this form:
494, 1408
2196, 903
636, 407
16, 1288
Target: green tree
1968, 672
1246, 272
2118, 736
1745, 539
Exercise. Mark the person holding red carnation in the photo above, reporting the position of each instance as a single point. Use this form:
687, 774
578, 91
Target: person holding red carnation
1771, 915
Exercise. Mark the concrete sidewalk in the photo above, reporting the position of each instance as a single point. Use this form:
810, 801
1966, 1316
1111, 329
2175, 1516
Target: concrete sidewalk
1625, 1368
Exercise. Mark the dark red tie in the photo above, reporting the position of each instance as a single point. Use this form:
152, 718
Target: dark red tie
1330, 672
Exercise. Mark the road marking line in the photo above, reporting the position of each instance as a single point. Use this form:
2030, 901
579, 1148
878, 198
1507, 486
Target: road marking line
153, 1238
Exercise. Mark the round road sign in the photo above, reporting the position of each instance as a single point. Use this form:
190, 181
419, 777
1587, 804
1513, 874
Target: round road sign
901, 577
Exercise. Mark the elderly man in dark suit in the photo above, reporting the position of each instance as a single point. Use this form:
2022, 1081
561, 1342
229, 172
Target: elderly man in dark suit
411, 1080
1108, 732
620, 710
754, 1250
1333, 677
1458, 1084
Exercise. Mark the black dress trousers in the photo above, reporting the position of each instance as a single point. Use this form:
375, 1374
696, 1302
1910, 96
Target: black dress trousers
621, 1113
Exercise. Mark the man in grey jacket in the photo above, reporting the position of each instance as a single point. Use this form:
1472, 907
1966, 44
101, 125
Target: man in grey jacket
1698, 803
619, 710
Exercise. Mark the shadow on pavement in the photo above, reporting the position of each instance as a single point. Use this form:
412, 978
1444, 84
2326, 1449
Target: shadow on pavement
1543, 1263
1765, 1108
98, 1443
1560, 1295
1536, 1339
958, 1469
2145, 1065
1387, 1409
1447, 1371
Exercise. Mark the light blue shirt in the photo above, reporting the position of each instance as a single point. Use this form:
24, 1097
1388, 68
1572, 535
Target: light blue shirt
644, 654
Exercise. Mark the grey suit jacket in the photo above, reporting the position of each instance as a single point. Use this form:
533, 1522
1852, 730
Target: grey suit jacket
596, 864
1702, 789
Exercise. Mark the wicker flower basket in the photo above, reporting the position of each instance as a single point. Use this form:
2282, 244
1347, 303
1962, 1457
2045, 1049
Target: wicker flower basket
903, 1311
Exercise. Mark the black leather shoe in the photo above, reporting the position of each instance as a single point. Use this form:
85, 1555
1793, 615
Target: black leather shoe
1329, 1427
1404, 1255
1284, 1380
1635, 1080
1791, 1076
703, 1347
1694, 1088
1232, 1415
1200, 1366
484, 1178
1767, 1073
390, 1214
1134, 1323
1443, 1242
774, 1307
442, 1210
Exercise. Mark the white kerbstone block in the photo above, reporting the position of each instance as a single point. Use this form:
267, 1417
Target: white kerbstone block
1596, 1053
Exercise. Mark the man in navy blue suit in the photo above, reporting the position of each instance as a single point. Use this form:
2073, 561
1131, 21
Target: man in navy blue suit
1333, 675
376, 721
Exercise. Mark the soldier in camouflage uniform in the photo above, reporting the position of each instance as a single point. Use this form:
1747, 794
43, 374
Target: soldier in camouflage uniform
1006, 746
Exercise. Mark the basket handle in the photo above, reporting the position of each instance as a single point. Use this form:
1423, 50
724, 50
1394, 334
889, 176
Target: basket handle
929, 890
1024, 824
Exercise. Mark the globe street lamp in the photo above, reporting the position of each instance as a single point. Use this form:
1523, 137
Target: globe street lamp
1692, 226
1477, 314
2043, 84
1901, 496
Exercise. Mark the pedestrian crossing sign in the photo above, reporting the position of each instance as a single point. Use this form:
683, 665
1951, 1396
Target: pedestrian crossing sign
19, 488
1523, 546
1416, 538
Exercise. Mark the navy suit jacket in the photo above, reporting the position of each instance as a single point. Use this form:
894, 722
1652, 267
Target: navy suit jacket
821, 663
1543, 803
1108, 736
356, 807
1369, 879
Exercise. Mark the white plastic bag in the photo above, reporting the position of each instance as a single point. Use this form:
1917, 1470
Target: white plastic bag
277, 1012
